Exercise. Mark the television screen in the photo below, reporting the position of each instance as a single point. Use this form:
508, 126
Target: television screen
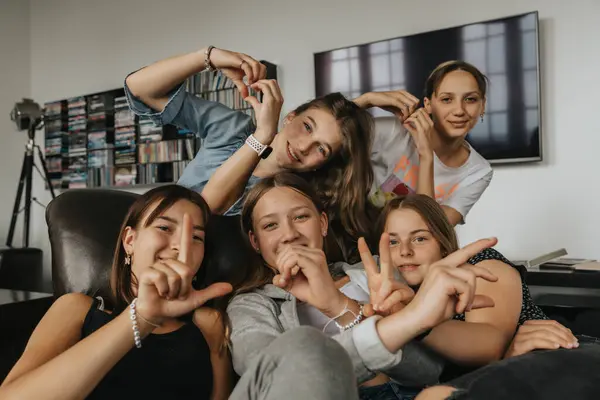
506, 50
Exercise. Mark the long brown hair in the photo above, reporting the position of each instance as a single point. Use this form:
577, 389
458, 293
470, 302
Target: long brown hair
343, 184
259, 274
122, 277
431, 212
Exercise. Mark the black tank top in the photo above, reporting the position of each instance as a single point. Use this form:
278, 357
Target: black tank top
173, 365
529, 310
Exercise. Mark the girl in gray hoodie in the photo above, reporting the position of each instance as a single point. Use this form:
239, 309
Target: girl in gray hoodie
290, 285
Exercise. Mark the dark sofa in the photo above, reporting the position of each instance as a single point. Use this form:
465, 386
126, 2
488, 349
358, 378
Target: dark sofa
83, 226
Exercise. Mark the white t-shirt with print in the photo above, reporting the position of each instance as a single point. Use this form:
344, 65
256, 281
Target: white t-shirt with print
396, 167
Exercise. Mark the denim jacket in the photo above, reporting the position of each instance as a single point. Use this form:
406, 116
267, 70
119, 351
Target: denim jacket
223, 132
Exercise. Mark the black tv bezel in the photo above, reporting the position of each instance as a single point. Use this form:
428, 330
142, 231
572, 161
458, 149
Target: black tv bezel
519, 160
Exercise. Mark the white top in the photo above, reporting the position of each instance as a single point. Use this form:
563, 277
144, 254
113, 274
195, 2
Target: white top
396, 167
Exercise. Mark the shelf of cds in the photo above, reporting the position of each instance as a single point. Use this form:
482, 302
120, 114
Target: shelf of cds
95, 140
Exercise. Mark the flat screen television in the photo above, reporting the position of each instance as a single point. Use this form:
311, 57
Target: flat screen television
505, 49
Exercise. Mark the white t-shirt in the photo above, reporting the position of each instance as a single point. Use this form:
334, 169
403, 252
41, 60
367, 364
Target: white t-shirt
396, 167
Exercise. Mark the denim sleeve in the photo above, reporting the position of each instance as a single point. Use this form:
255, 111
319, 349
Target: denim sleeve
217, 124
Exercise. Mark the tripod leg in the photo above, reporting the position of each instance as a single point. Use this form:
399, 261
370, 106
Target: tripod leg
29, 175
45, 168
15, 213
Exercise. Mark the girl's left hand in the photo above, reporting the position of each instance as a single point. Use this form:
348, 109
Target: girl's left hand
387, 294
304, 273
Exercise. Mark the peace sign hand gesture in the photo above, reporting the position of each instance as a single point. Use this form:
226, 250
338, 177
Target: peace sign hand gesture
165, 288
387, 295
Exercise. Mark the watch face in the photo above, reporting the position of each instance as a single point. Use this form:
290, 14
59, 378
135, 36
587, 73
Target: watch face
266, 152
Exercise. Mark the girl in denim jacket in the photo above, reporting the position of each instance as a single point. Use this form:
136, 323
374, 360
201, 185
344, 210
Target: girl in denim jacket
328, 140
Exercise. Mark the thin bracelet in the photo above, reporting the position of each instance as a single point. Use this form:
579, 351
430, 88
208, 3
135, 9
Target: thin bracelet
146, 321
207, 65
344, 311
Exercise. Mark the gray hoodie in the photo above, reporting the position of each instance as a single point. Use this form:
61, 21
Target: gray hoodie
258, 317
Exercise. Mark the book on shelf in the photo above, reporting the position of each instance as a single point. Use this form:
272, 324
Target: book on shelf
557, 260
96, 140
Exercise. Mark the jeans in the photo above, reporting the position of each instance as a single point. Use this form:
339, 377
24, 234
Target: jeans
387, 391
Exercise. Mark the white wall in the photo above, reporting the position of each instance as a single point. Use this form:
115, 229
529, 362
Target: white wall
14, 85
82, 46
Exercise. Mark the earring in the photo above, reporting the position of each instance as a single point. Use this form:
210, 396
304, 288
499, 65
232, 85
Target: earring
257, 250
127, 259
482, 116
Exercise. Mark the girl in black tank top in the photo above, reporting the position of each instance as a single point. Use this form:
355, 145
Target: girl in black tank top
158, 341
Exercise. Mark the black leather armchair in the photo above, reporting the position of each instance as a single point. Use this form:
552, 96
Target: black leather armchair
84, 224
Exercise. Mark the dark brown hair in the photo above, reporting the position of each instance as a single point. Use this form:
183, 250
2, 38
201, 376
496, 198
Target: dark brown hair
122, 278
344, 183
440, 72
431, 212
258, 274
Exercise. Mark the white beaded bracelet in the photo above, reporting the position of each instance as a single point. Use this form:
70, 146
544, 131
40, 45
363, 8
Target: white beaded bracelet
358, 318
136, 330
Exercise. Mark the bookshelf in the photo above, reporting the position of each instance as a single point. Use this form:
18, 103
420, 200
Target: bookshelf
96, 141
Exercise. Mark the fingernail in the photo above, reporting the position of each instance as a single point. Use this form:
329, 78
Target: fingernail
576, 344
375, 307
282, 281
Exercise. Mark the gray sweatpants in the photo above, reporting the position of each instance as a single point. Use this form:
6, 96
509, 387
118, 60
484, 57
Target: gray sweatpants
301, 364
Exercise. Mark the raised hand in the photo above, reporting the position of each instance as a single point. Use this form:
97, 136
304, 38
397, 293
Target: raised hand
387, 295
541, 334
449, 286
236, 66
304, 273
165, 288
399, 102
267, 112
420, 127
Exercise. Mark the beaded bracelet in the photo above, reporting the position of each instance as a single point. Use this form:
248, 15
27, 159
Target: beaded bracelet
134, 315
358, 318
136, 330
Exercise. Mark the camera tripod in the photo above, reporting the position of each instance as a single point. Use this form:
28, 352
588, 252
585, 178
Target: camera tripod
26, 181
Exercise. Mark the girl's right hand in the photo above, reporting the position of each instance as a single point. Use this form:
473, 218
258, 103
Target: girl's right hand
236, 66
165, 288
386, 294
420, 127
267, 112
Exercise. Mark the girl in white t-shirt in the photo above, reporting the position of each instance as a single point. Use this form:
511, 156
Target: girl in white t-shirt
427, 152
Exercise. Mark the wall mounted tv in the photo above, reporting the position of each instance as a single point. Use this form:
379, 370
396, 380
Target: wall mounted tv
506, 50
